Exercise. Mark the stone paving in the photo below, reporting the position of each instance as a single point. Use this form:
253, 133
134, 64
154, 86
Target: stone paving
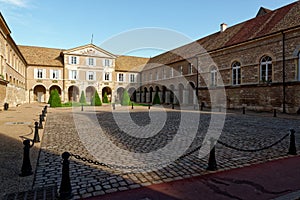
79, 133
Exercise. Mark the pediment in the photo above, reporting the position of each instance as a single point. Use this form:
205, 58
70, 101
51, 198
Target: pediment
90, 50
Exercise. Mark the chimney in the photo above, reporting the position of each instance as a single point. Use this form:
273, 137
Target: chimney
223, 27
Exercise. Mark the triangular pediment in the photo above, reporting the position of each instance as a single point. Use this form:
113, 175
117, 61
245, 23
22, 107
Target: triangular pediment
89, 50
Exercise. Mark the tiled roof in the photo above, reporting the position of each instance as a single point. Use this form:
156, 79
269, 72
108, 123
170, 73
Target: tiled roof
271, 22
130, 63
42, 56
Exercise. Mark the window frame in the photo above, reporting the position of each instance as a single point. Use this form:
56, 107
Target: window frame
236, 73
38, 73
107, 75
91, 76
121, 77
267, 63
74, 60
132, 76
213, 76
91, 61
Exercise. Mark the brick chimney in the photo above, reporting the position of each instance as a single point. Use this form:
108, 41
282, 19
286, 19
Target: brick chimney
223, 27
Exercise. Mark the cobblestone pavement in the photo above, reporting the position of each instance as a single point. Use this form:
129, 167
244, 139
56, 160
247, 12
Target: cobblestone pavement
79, 133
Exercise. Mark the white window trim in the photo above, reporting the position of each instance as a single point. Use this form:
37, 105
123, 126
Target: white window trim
77, 60
109, 77
88, 61
236, 75
118, 77
134, 77
88, 76
52, 72
213, 77
267, 63
71, 75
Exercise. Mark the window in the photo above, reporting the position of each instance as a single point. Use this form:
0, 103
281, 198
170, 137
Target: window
90, 76
121, 77
74, 60
266, 69
39, 73
156, 76
54, 74
73, 75
213, 76
163, 73
181, 70
236, 73
107, 76
91, 61
132, 78
107, 63
190, 68
150, 77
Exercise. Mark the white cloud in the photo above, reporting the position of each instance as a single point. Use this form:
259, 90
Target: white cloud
18, 3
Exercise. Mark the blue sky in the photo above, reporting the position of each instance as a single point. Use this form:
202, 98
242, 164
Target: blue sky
70, 23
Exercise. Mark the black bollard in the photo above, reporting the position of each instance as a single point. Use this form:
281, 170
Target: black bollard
41, 122
244, 110
173, 106
81, 107
132, 106
114, 106
26, 169
149, 106
212, 163
65, 190
292, 148
43, 116
36, 132
202, 106
274, 113
45, 109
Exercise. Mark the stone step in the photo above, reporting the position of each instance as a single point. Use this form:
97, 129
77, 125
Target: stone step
47, 193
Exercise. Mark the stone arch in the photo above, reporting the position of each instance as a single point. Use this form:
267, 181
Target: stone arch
145, 94
132, 94
151, 94
89, 93
73, 93
120, 92
108, 92
55, 87
39, 92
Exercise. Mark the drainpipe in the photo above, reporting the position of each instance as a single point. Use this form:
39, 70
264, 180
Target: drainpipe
283, 73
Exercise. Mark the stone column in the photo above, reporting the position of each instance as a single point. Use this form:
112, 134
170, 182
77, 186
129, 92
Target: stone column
46, 96
168, 93
185, 97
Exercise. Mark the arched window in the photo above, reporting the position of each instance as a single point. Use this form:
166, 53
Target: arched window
236, 73
266, 69
213, 76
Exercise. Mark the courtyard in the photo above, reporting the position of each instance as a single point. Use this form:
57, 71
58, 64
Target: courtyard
95, 169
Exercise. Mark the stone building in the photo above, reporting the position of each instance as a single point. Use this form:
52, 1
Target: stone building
255, 62
12, 69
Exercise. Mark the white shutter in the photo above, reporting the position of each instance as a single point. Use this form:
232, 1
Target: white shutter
103, 62
70, 74
87, 75
35, 73
94, 76
77, 60
51, 74
110, 76
44, 74
59, 75
70, 60
110, 62
118, 77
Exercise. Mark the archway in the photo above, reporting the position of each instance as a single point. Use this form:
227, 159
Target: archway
120, 92
73, 93
107, 90
163, 96
145, 94
39, 93
132, 94
89, 92
55, 87
172, 96
151, 94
